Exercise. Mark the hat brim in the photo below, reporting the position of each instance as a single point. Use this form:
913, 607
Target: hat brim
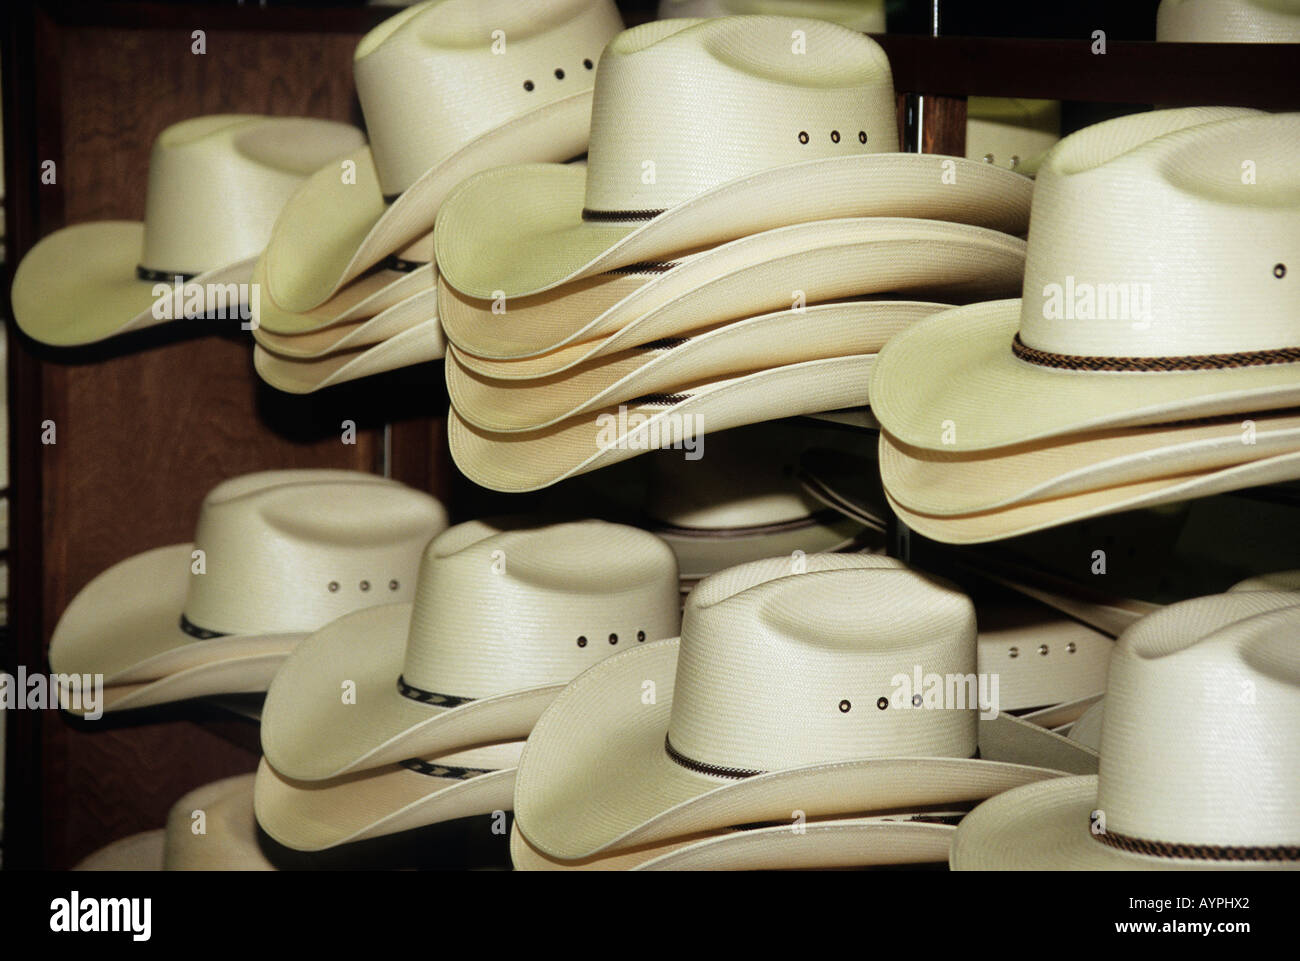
318, 815
519, 230
1047, 827
530, 460
416, 345
958, 366
331, 231
229, 675
367, 297
809, 263
102, 297
701, 552
229, 841
352, 335
137, 852
310, 734
595, 777
755, 343
1021, 519
125, 625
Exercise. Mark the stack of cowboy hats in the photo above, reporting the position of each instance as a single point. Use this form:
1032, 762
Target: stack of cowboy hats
722, 259
448, 88
1154, 356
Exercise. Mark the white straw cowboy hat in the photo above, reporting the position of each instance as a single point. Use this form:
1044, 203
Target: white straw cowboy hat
275, 555
318, 815
418, 344
1011, 132
1229, 21
1040, 657
1173, 267
447, 88
1209, 687
530, 460
865, 16
791, 692
755, 343
504, 616
773, 270
703, 131
224, 838
215, 186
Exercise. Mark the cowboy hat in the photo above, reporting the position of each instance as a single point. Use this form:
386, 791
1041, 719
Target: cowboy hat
1228, 21
1135, 310
780, 268
504, 615
790, 689
940, 483
1011, 132
215, 186
1209, 686
703, 131
447, 88
276, 554
755, 343
417, 344
530, 460
317, 815
865, 16
1040, 657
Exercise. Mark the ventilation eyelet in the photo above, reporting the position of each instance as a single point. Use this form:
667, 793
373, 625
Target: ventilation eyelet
803, 136
862, 136
365, 585
917, 700
1013, 652
613, 638
582, 641
333, 586
393, 585
529, 86
835, 136
882, 702
845, 706
640, 636
559, 74
1042, 649
1071, 648
1279, 271
588, 64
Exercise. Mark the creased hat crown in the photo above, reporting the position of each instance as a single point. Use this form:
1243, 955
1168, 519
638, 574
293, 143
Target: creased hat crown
217, 183
441, 73
288, 551
503, 606
1173, 234
682, 106
794, 661
1198, 744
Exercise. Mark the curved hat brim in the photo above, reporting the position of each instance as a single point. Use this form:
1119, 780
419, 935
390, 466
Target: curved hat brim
310, 734
958, 366
317, 815
415, 310
416, 345
805, 263
703, 552
1027, 518
595, 777
79, 285
331, 231
137, 852
229, 841
530, 460
754, 343
234, 674
519, 230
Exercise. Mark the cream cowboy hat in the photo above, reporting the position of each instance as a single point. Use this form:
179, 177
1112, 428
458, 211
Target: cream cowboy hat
418, 344
1131, 206
224, 838
777, 269
447, 88
781, 137
1011, 132
792, 692
1211, 687
755, 343
1040, 657
318, 815
530, 460
864, 16
215, 186
504, 616
275, 555
1229, 21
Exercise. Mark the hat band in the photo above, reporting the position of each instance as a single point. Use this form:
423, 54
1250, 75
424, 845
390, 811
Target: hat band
445, 771
645, 267
699, 767
202, 633
1250, 358
394, 262
618, 216
167, 276
429, 697
1198, 852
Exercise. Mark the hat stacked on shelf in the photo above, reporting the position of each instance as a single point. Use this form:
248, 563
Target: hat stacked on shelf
1154, 356
722, 259
448, 88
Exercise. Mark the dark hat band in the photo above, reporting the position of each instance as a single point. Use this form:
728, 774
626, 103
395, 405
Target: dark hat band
1198, 852
1250, 358
429, 697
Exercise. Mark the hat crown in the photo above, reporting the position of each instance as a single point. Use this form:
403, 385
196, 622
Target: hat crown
1228, 21
502, 607
784, 662
289, 551
682, 106
217, 183
441, 73
1167, 234
1198, 742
